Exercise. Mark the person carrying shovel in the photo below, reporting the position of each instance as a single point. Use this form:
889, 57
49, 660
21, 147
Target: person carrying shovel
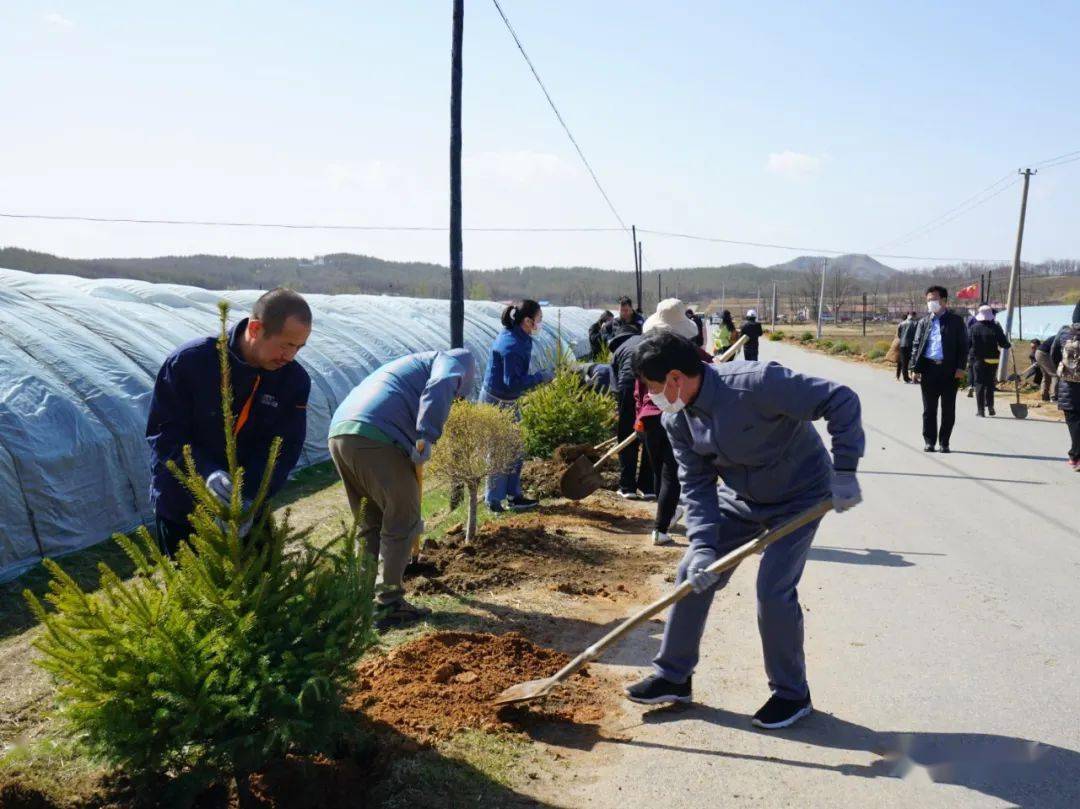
748, 458
380, 436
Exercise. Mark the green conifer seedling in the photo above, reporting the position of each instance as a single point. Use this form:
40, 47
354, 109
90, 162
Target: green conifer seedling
219, 662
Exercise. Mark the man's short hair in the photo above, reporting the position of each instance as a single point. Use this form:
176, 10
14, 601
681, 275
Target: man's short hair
625, 301
663, 352
940, 290
273, 308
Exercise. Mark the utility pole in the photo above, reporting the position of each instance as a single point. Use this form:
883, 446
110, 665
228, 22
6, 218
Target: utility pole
982, 288
723, 296
659, 291
864, 314
457, 274
774, 305
640, 270
1014, 277
821, 297
637, 261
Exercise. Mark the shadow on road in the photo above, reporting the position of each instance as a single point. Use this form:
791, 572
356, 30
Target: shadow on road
869, 556
1054, 458
1020, 771
955, 477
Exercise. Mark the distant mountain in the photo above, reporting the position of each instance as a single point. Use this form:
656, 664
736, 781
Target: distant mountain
862, 267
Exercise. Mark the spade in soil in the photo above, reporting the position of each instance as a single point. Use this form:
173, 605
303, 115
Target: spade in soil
536, 689
582, 478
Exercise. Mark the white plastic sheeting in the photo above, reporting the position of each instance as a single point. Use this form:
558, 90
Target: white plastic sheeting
1039, 322
78, 359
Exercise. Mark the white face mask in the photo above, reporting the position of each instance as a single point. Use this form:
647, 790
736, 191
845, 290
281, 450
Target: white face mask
665, 404
933, 306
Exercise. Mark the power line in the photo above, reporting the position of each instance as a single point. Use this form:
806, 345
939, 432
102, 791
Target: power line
299, 226
558, 115
956, 208
1043, 163
804, 249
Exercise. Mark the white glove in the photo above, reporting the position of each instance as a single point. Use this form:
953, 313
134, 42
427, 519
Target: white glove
696, 573
421, 452
845, 490
220, 485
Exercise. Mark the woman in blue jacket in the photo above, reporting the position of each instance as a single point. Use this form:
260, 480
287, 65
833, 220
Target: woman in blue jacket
506, 380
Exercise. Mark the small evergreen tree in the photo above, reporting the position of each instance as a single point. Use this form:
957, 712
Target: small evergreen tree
565, 411
222, 660
478, 440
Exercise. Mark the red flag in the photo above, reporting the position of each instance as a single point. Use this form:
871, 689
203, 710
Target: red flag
969, 293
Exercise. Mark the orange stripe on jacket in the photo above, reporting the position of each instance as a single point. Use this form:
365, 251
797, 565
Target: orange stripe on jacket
245, 411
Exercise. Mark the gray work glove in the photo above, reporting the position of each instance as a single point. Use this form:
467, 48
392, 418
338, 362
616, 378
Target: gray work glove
696, 574
845, 490
421, 451
220, 485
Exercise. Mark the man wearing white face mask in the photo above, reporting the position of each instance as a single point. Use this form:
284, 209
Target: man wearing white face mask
938, 358
748, 458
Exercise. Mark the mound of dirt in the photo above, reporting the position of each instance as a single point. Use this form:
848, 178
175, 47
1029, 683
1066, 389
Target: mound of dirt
541, 475
504, 554
442, 683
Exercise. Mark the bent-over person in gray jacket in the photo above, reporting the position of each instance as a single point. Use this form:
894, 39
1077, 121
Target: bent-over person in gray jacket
749, 458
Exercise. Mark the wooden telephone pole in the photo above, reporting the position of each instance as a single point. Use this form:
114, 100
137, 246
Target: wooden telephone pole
1014, 277
457, 274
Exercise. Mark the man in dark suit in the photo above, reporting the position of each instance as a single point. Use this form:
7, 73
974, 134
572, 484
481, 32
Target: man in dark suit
938, 359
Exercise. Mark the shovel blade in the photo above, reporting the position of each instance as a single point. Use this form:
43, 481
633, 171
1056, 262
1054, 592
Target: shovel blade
579, 480
525, 692
1020, 411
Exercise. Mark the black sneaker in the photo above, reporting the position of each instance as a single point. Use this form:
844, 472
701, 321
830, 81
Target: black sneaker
627, 494
993, 412
928, 448
781, 713
944, 448
648, 497
497, 508
655, 690
522, 503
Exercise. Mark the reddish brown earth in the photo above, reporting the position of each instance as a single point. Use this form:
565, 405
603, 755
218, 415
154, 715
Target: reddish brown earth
591, 548
443, 683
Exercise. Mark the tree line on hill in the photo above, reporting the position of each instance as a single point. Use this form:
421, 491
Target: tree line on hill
798, 281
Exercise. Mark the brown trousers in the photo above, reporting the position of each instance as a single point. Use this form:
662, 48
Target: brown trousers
381, 479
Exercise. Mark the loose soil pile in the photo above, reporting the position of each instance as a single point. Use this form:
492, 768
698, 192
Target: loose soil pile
576, 549
442, 683
541, 475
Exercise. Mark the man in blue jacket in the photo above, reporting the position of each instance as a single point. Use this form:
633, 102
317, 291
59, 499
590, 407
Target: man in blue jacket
383, 430
270, 396
748, 458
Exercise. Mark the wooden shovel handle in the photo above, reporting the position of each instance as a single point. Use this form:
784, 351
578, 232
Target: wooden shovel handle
726, 562
630, 439
732, 350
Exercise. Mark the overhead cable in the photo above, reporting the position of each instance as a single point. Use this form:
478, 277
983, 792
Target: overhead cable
558, 115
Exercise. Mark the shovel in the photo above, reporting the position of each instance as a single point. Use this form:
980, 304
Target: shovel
731, 351
581, 478
415, 552
535, 689
1019, 411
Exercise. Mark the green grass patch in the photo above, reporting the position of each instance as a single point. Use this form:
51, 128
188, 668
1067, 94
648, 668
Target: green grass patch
776, 336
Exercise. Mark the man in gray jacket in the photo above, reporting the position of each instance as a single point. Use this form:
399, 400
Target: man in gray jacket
748, 458
383, 430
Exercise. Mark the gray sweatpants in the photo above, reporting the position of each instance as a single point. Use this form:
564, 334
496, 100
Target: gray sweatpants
382, 478
780, 620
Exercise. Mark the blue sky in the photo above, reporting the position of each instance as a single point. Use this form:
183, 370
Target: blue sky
833, 125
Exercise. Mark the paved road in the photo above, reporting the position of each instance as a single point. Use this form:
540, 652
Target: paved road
943, 642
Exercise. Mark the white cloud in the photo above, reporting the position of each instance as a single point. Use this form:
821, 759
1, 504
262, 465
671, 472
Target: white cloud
794, 165
58, 21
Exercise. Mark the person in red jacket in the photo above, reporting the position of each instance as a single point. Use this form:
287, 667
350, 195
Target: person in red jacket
669, 316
